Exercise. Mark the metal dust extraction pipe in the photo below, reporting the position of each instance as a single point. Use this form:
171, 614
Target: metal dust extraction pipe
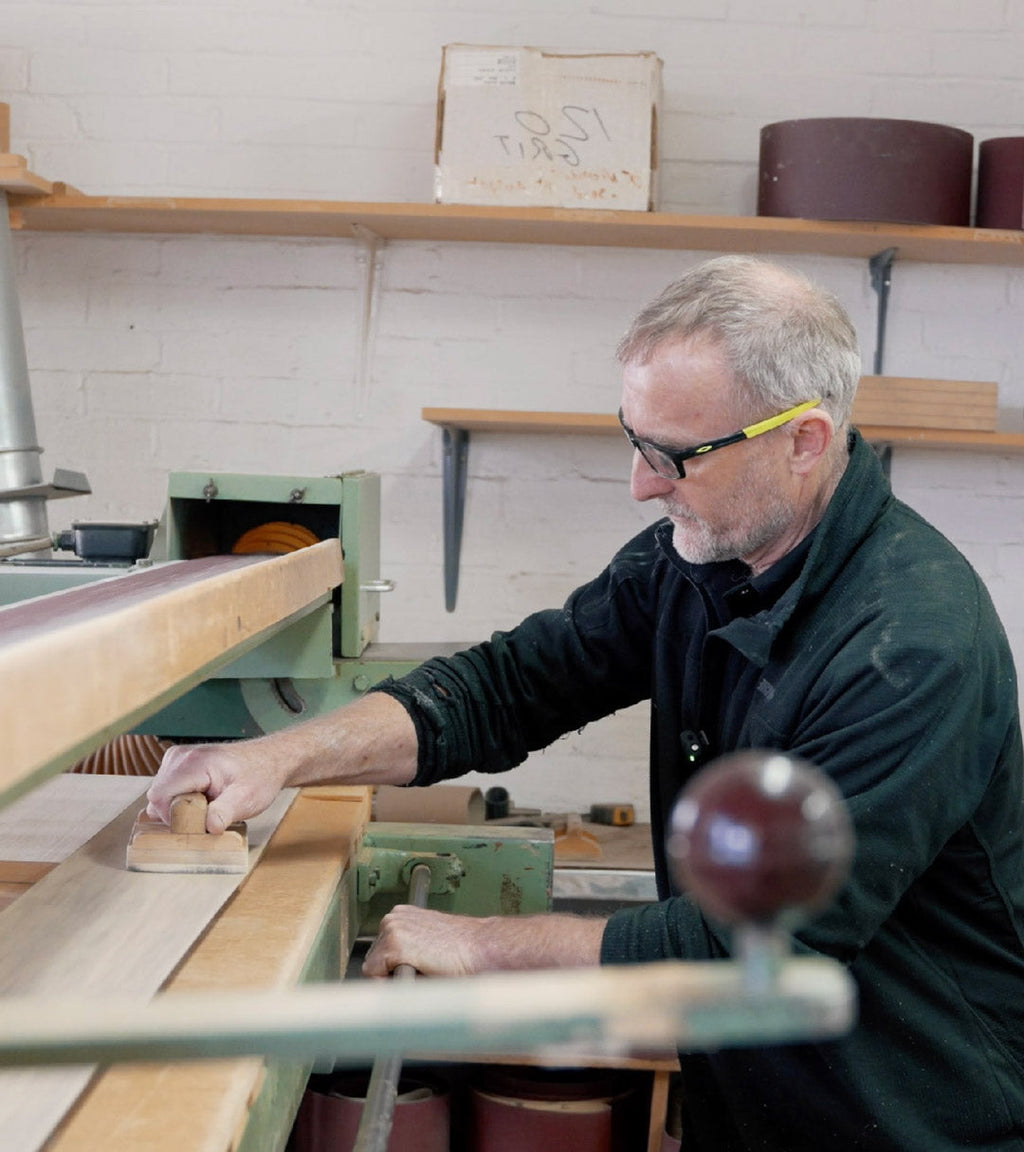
23, 521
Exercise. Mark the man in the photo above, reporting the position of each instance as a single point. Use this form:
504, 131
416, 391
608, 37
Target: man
786, 601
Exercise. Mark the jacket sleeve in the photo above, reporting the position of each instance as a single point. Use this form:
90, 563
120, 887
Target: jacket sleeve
486, 708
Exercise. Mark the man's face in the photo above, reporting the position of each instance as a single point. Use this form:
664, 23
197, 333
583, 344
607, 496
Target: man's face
738, 501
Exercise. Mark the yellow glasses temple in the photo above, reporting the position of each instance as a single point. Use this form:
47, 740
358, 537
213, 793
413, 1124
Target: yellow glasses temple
782, 418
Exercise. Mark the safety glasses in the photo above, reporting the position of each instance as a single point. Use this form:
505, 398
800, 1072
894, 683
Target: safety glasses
668, 462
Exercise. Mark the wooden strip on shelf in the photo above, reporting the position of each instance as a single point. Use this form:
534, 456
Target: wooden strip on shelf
260, 941
504, 420
91, 927
16, 179
64, 211
918, 403
79, 666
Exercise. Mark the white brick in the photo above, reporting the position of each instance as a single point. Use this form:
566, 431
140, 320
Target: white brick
958, 102
939, 14
99, 70
14, 70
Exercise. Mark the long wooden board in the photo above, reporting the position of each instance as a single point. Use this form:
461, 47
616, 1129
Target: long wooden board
266, 938
80, 666
90, 927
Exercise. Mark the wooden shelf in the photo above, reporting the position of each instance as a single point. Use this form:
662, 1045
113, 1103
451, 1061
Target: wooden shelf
457, 423
67, 211
498, 420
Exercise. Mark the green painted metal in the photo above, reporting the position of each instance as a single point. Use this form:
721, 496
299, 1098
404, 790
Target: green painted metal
237, 709
23, 582
213, 710
274, 706
360, 528
475, 870
302, 650
208, 512
388, 871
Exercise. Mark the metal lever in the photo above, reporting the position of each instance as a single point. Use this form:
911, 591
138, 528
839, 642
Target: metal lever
378, 1111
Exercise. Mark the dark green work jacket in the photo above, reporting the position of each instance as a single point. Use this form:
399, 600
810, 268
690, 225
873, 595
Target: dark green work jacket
880, 659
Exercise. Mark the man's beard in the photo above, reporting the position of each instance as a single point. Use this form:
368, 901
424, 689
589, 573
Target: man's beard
700, 543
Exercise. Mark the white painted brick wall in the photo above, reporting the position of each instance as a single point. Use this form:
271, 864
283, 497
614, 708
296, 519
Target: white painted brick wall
152, 354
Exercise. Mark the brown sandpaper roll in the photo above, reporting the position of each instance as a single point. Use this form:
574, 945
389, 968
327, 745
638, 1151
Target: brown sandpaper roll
439, 804
857, 168
332, 1107
501, 1124
1001, 183
517, 1108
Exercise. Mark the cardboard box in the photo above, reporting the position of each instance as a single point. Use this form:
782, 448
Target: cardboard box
908, 402
525, 126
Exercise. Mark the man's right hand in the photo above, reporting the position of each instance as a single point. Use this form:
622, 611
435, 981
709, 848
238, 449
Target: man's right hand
239, 781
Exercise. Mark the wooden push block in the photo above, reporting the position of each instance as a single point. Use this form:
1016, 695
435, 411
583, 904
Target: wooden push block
185, 845
573, 842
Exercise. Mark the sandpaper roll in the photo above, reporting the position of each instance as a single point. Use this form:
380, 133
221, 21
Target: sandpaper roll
503, 1124
855, 168
516, 1108
328, 1118
439, 804
1001, 183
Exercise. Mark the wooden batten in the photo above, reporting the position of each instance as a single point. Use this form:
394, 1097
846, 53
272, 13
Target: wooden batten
908, 402
77, 667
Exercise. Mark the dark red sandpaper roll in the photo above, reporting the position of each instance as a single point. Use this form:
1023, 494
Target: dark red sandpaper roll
1001, 183
332, 1107
853, 168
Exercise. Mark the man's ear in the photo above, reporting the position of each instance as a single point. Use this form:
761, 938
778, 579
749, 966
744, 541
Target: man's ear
812, 432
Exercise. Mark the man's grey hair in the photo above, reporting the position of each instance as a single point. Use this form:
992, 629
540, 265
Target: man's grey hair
786, 339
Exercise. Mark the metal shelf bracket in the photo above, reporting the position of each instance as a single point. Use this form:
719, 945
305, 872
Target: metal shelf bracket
456, 456
880, 267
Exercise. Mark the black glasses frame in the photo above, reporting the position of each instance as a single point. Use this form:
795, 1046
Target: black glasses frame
678, 456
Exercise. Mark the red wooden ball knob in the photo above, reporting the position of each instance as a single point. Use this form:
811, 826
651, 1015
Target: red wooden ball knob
760, 837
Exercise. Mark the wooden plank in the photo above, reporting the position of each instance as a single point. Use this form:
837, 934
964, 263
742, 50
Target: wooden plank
262, 940
39, 826
918, 403
506, 420
79, 666
36, 832
64, 211
15, 177
90, 927
25, 872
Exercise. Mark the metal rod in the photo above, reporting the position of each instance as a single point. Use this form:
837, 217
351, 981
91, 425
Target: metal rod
20, 465
671, 1003
378, 1111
